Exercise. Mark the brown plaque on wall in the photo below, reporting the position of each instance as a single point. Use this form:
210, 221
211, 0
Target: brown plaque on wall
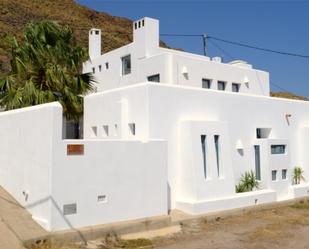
75, 149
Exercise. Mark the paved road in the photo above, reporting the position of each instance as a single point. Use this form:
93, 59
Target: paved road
16, 224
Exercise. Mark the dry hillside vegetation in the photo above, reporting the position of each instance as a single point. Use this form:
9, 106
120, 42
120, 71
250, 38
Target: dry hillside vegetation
14, 15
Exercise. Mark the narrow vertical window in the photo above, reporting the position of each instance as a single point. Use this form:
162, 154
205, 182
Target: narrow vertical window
284, 174
126, 64
100, 68
132, 128
257, 162
217, 147
203, 143
274, 175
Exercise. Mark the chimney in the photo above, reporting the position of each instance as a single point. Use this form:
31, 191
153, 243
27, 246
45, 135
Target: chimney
146, 36
94, 45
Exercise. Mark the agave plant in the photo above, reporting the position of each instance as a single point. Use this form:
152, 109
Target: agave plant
298, 175
247, 182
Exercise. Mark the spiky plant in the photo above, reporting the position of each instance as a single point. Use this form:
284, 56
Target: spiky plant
298, 175
247, 182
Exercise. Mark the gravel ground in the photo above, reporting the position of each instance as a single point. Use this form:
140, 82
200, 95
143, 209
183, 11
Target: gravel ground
283, 227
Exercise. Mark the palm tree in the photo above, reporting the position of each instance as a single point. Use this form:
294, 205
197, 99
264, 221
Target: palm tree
298, 175
46, 66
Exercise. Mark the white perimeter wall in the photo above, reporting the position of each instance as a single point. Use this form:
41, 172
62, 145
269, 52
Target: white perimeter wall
26, 158
132, 175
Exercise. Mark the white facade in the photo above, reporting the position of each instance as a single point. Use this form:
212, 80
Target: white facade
176, 142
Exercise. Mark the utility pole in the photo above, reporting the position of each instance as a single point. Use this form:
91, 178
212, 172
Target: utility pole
205, 43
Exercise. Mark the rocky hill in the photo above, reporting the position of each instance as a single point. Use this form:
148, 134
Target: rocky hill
14, 15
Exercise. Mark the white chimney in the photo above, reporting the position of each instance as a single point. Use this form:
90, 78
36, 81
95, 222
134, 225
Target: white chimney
94, 45
146, 36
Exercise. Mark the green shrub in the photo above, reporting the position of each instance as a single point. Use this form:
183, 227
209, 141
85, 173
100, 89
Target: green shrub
298, 175
247, 182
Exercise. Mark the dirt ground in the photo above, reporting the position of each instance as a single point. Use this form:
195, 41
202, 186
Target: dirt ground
283, 227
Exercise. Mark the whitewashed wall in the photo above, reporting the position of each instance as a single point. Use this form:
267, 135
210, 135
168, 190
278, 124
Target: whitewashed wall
165, 107
132, 174
147, 59
27, 143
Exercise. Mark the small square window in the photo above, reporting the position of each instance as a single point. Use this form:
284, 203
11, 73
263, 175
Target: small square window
69, 209
206, 83
284, 174
126, 64
278, 149
102, 198
106, 65
97, 32
235, 87
221, 85
100, 68
154, 78
105, 130
132, 128
274, 175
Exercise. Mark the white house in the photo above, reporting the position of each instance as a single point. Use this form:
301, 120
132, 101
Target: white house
166, 130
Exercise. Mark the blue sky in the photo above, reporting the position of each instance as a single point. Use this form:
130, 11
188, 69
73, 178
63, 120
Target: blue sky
278, 25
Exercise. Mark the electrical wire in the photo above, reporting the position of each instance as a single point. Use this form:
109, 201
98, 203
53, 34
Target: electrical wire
258, 48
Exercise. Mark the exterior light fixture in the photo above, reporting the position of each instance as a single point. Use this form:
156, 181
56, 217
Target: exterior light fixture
287, 117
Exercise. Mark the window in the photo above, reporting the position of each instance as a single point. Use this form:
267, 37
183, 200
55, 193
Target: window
97, 32
126, 65
235, 87
257, 162
105, 130
278, 149
221, 85
143, 22
206, 83
116, 130
217, 147
93, 70
132, 128
284, 174
135, 25
100, 68
139, 24
203, 143
154, 78
274, 175
106, 65
102, 198
69, 209
262, 132
94, 131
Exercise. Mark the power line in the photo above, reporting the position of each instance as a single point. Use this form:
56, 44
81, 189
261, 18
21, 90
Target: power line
222, 50
189, 35
258, 48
